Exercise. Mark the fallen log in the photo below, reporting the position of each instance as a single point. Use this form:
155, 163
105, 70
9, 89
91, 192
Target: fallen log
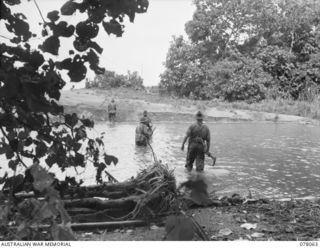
97, 204
122, 186
100, 216
107, 190
94, 225
75, 211
104, 194
108, 224
87, 194
112, 191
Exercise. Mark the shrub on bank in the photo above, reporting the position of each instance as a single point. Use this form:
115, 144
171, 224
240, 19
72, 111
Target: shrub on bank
222, 58
111, 79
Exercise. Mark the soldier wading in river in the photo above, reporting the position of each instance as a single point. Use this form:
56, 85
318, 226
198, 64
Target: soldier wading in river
147, 119
112, 109
198, 135
143, 133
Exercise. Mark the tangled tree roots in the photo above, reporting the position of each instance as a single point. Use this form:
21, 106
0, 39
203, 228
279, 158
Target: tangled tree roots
150, 194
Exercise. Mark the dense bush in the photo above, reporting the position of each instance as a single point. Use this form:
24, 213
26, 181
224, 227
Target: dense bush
247, 50
111, 79
35, 132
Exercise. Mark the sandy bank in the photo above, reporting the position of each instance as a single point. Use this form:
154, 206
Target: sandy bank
131, 103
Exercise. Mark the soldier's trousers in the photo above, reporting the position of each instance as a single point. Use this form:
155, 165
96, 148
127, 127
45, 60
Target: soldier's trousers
195, 153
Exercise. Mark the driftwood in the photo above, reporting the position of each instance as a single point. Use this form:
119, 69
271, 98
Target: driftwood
100, 216
107, 190
104, 194
75, 211
95, 225
98, 204
82, 194
122, 186
148, 196
108, 224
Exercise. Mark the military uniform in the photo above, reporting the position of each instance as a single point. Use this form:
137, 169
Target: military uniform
143, 133
112, 109
199, 137
147, 119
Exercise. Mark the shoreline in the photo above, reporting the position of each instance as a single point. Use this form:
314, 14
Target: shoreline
131, 104
258, 220
278, 219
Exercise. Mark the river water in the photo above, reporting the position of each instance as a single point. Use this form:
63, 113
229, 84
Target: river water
276, 160
272, 160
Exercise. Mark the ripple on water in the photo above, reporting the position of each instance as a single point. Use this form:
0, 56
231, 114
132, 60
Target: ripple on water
269, 158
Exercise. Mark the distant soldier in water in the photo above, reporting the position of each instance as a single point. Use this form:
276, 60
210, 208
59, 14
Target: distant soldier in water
143, 133
198, 135
147, 119
112, 110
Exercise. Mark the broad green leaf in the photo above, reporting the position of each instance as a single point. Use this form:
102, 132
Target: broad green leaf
77, 71
113, 27
53, 15
42, 179
69, 8
71, 120
87, 30
62, 29
41, 149
51, 45
13, 164
110, 159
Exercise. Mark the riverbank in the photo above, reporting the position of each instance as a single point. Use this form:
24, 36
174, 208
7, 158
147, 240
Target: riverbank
261, 220
266, 220
131, 103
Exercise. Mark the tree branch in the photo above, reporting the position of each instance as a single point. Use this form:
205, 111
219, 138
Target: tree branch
35, 2
18, 156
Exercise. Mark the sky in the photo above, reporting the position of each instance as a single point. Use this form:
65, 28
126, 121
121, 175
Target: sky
143, 46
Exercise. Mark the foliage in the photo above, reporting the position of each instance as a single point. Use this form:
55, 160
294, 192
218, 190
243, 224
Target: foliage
246, 50
27, 214
111, 79
32, 122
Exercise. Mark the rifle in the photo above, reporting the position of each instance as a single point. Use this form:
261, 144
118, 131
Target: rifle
214, 159
152, 130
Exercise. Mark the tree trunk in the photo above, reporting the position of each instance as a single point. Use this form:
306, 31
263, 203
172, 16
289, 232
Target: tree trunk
95, 225
111, 224
100, 216
97, 204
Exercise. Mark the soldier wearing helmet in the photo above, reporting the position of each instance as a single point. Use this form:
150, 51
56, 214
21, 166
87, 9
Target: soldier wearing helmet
112, 109
143, 132
198, 136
